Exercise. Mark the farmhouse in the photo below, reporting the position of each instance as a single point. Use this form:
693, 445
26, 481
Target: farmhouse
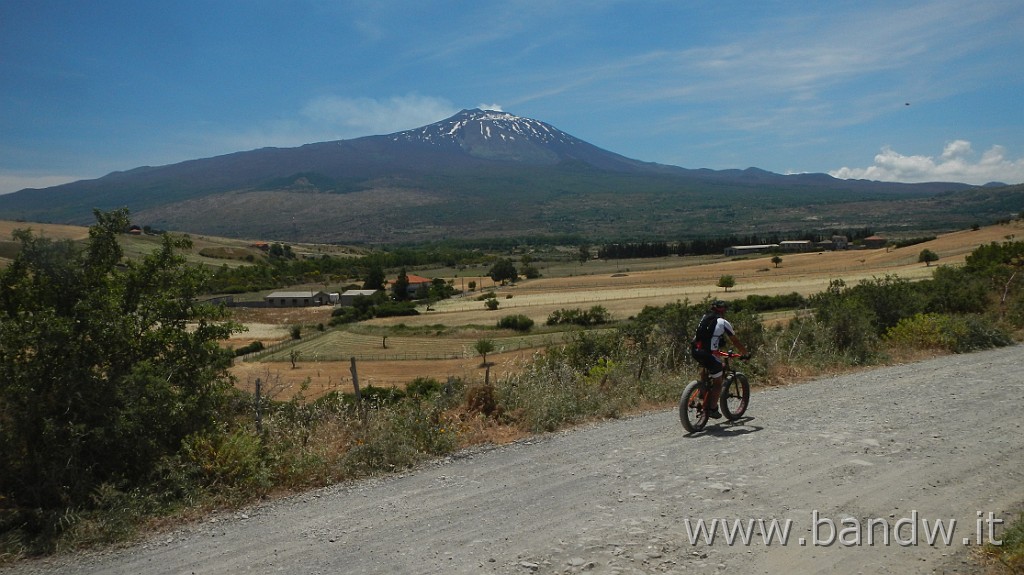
348, 297
415, 283
875, 242
297, 298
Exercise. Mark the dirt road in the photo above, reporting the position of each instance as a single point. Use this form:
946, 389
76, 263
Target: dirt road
933, 441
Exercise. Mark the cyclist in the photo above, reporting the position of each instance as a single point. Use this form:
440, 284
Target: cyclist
708, 339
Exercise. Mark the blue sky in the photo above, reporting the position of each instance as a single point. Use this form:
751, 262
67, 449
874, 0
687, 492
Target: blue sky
887, 90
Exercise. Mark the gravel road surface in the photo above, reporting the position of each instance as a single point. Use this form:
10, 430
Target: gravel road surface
839, 458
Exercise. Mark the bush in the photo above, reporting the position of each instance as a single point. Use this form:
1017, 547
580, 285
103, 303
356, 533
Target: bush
596, 315
122, 329
762, 303
423, 387
399, 436
250, 348
230, 461
958, 334
378, 396
480, 399
518, 322
922, 331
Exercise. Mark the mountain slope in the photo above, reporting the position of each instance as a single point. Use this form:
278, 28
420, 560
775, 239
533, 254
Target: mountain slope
478, 173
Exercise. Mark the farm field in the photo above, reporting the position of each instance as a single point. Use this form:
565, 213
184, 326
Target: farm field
616, 286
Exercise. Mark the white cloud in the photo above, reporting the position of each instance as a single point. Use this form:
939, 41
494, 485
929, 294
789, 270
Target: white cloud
353, 117
327, 118
955, 164
495, 107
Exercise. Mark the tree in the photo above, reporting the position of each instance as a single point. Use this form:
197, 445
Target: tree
374, 277
583, 253
400, 289
927, 257
107, 365
503, 270
726, 281
776, 260
483, 347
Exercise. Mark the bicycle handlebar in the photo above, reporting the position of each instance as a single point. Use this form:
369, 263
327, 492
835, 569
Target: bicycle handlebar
730, 354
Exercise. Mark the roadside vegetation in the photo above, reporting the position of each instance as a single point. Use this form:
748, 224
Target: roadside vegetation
116, 412
1008, 557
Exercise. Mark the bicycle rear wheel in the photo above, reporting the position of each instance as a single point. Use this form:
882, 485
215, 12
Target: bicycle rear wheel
692, 412
735, 396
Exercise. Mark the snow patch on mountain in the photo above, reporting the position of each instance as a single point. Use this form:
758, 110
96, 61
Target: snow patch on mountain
490, 124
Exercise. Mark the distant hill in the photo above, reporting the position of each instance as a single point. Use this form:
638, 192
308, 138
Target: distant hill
489, 174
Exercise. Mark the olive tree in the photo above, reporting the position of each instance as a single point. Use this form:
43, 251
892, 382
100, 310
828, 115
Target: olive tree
726, 281
503, 270
927, 257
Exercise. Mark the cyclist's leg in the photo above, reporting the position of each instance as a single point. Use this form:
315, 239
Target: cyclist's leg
715, 371
713, 395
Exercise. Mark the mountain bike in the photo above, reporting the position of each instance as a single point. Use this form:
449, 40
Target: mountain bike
694, 410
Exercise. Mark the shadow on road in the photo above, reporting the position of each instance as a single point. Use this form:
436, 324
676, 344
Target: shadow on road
735, 428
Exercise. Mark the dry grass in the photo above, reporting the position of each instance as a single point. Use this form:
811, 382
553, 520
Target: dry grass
622, 293
52, 231
321, 377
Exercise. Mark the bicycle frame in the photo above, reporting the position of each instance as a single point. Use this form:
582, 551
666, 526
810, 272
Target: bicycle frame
726, 367
694, 407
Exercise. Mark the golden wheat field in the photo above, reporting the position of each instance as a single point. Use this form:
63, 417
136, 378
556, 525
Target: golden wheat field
622, 293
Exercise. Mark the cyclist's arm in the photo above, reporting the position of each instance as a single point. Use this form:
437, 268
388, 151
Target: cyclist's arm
739, 344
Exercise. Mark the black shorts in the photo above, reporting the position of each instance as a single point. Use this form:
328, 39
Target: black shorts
709, 360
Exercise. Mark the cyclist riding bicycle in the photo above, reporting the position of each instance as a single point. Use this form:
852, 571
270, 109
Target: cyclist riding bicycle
707, 341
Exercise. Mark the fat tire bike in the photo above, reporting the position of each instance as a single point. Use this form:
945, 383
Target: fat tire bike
694, 408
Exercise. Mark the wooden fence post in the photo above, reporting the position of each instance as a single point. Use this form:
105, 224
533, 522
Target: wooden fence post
259, 402
355, 381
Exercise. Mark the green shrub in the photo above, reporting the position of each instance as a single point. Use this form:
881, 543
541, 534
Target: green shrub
922, 331
423, 387
230, 462
1011, 552
975, 332
958, 334
250, 348
518, 322
379, 396
596, 315
344, 315
398, 437
762, 303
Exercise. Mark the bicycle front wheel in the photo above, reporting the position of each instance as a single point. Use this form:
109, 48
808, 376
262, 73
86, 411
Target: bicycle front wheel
735, 396
692, 409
